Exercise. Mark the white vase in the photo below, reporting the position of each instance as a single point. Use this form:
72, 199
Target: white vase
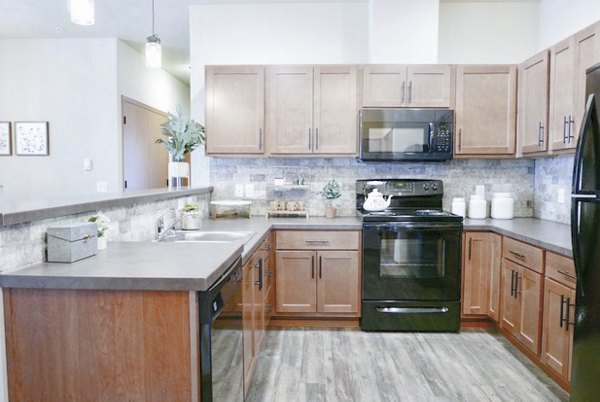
191, 220
177, 172
102, 243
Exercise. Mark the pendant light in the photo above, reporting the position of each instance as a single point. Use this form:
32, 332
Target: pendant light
153, 48
82, 12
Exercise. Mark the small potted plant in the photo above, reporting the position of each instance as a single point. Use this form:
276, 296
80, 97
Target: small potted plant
330, 192
102, 221
182, 137
191, 218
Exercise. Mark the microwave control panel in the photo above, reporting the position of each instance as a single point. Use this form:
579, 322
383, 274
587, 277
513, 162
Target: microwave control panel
442, 140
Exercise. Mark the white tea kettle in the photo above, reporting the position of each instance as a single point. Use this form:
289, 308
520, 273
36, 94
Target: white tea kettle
376, 201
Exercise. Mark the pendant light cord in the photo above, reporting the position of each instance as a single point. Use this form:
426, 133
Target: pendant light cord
153, 33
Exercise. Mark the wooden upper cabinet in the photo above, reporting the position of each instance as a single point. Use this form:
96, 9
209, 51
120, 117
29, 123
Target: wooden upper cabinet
335, 116
235, 109
430, 85
408, 85
485, 109
562, 94
289, 109
587, 53
533, 103
312, 110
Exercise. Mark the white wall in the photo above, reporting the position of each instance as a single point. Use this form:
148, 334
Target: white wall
71, 83
403, 31
562, 18
487, 32
155, 88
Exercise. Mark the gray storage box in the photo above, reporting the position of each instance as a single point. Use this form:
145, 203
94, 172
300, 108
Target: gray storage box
72, 243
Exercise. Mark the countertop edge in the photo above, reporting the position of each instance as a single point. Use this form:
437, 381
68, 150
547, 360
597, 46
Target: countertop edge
112, 201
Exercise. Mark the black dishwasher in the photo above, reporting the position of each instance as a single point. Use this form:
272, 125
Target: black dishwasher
221, 345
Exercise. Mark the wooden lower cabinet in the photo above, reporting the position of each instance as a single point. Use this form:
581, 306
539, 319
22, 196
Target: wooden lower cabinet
318, 281
557, 339
521, 304
101, 345
481, 274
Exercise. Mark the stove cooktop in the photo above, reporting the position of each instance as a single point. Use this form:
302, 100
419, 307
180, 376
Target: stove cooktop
409, 215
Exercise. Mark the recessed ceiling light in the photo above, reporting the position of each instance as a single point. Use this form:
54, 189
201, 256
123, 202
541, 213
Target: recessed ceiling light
82, 12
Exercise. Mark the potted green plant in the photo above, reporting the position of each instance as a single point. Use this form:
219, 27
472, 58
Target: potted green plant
330, 192
102, 221
182, 137
191, 218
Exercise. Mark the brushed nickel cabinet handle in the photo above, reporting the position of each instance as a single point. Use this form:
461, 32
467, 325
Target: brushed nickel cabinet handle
564, 129
403, 91
517, 291
565, 273
320, 267
517, 255
562, 303
312, 275
316, 241
410, 91
512, 282
309, 139
569, 136
260, 139
317, 139
540, 134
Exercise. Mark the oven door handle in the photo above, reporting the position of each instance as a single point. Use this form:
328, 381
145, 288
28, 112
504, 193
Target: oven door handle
395, 226
412, 310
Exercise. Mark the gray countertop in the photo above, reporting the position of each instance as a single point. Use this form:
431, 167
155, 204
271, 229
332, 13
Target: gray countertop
19, 211
196, 266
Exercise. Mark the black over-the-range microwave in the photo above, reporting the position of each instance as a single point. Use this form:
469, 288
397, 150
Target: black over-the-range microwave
406, 134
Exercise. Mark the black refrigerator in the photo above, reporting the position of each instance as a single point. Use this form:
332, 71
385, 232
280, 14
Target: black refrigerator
585, 229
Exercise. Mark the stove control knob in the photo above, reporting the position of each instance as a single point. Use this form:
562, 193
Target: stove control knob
434, 187
426, 186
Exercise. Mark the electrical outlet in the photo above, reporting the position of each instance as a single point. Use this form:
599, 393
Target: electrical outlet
249, 190
561, 195
239, 190
101, 186
87, 164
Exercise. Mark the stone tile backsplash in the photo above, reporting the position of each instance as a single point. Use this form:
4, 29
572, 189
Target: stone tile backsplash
25, 244
552, 175
460, 176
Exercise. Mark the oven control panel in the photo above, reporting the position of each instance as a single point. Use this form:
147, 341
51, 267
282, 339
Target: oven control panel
401, 188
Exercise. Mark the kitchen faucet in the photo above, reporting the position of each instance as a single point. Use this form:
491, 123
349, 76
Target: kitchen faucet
162, 231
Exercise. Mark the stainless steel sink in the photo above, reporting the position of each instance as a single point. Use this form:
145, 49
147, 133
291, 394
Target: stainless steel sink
211, 237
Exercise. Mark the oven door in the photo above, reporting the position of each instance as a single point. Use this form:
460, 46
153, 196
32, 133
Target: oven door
411, 261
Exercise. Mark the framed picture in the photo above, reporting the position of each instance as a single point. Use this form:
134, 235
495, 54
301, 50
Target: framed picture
5, 139
31, 138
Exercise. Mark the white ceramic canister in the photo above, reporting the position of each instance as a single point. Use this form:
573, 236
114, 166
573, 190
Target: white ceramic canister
459, 207
502, 206
477, 207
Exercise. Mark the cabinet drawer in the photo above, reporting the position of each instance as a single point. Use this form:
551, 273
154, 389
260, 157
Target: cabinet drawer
523, 253
561, 269
317, 240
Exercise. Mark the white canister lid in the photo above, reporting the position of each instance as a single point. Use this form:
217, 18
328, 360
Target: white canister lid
502, 195
477, 197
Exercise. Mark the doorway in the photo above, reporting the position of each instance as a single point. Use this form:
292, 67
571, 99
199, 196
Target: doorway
144, 162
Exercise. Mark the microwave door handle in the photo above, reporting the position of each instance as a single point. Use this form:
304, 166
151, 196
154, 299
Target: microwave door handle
431, 129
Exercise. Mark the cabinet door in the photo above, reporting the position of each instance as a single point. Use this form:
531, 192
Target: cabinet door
587, 53
296, 282
533, 103
509, 318
557, 334
529, 289
562, 92
475, 273
235, 110
486, 110
384, 86
248, 321
495, 276
338, 289
429, 85
290, 109
335, 109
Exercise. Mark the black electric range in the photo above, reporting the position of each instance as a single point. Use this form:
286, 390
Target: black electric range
411, 258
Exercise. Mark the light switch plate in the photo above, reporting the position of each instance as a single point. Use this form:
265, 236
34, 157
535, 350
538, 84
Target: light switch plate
561, 195
249, 190
87, 164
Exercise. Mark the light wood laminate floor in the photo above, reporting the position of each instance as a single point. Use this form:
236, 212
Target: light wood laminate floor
350, 365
